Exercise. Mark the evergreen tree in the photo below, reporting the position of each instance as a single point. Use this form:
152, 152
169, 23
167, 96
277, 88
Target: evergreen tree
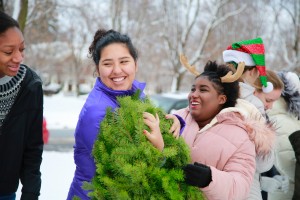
128, 166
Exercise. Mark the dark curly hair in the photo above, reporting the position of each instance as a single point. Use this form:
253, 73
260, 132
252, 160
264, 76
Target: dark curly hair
214, 72
7, 22
103, 38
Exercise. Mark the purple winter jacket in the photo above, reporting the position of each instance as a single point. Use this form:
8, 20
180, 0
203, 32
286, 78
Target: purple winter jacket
91, 115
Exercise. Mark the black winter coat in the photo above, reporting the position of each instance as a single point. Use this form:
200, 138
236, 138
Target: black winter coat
295, 141
21, 140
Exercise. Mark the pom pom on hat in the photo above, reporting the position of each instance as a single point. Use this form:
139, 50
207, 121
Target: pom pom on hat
252, 52
269, 87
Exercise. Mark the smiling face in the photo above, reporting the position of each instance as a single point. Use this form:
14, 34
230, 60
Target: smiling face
204, 101
11, 51
117, 67
268, 99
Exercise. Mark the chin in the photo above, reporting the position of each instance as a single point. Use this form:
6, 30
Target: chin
12, 74
121, 88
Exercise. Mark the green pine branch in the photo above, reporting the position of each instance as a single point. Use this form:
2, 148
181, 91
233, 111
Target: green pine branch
127, 164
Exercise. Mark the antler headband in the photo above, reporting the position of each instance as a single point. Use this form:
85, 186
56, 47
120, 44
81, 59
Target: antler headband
228, 78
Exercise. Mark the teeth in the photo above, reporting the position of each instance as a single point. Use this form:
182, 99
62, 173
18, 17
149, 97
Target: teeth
195, 103
118, 79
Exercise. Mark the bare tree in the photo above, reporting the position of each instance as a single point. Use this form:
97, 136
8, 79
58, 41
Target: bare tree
1, 5
21, 11
290, 40
185, 37
160, 30
23, 14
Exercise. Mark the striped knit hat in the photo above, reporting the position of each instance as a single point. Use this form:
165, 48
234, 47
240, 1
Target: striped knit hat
252, 52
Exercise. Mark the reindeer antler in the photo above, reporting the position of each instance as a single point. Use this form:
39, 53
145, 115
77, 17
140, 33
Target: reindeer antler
229, 77
185, 63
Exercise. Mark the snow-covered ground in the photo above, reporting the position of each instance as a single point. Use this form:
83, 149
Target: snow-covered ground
61, 112
57, 172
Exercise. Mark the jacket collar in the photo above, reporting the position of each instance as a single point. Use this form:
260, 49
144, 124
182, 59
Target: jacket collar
135, 86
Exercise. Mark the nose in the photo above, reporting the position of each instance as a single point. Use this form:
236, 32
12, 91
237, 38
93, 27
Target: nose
194, 94
18, 57
117, 69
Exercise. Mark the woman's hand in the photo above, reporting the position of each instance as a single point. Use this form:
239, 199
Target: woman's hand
155, 136
175, 128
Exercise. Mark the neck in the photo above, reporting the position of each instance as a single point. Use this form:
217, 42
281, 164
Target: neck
203, 123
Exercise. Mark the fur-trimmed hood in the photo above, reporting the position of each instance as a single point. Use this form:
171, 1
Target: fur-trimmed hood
290, 92
260, 132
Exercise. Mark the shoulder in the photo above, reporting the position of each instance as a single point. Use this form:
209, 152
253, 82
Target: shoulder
31, 77
97, 104
232, 127
184, 112
228, 128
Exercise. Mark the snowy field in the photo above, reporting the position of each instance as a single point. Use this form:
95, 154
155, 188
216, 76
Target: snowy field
61, 112
57, 172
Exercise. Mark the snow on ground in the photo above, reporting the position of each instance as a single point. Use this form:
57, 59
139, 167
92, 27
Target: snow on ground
57, 173
61, 112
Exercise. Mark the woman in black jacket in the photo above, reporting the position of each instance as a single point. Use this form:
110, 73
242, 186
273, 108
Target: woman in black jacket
21, 117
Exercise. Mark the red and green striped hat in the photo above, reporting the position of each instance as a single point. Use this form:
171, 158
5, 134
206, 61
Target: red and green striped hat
254, 48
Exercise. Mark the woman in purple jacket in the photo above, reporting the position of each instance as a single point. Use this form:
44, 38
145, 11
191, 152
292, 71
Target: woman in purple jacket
116, 64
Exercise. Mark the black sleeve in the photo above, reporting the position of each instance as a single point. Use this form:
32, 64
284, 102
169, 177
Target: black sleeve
295, 142
33, 149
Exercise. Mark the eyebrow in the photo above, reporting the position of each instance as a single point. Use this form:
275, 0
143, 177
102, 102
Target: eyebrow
204, 86
125, 57
110, 59
10, 45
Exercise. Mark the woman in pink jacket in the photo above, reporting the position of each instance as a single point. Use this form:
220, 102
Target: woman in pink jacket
223, 133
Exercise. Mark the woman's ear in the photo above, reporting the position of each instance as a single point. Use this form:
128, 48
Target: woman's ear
222, 99
254, 72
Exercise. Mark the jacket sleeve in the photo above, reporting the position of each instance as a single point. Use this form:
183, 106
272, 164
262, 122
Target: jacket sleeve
295, 142
234, 181
182, 123
265, 163
33, 149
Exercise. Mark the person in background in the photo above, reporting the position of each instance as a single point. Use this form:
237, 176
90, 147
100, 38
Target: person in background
268, 99
116, 64
252, 53
285, 113
21, 117
271, 180
221, 136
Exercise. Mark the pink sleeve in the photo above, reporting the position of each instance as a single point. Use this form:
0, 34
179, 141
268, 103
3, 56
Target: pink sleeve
234, 181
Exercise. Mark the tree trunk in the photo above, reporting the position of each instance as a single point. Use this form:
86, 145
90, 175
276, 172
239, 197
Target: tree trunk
23, 14
1, 6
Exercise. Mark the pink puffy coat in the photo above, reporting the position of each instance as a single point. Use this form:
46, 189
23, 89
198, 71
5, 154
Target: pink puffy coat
228, 145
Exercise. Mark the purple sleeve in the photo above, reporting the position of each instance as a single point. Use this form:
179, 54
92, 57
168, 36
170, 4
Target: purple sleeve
182, 123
